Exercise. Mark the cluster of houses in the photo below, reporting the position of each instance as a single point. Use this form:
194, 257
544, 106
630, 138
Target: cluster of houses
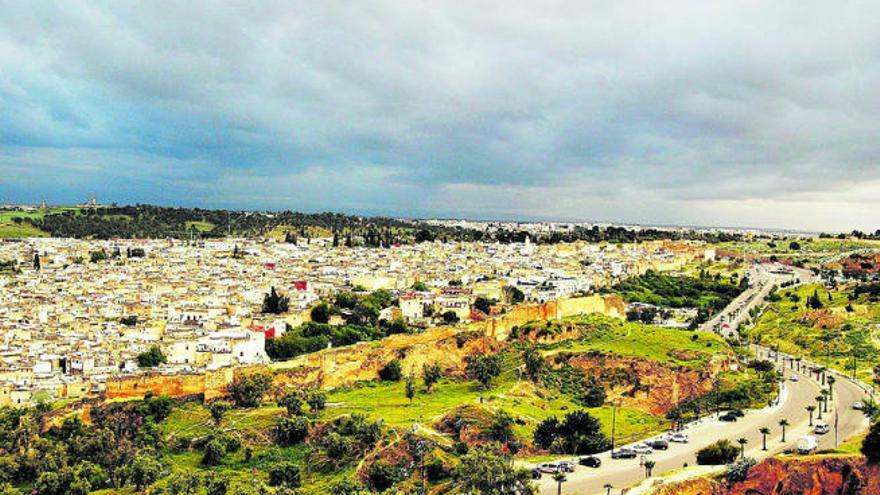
67, 323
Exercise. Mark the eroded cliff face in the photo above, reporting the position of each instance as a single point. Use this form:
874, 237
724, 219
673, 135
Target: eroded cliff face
813, 475
643, 384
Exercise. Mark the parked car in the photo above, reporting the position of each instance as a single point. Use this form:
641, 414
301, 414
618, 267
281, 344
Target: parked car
679, 438
643, 449
728, 417
590, 461
858, 406
549, 467
821, 428
794, 378
624, 453
658, 444
566, 466
737, 413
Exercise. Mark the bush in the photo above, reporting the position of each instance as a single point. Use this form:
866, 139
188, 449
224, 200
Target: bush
316, 400
215, 449
578, 433
739, 470
292, 403
593, 396
321, 313
871, 444
151, 358
284, 474
392, 372
435, 470
248, 391
501, 428
720, 452
291, 430
381, 475
484, 368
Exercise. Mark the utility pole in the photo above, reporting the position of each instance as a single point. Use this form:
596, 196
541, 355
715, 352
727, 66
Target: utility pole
613, 424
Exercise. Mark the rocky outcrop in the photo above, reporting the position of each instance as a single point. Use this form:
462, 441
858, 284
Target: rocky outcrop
814, 475
640, 383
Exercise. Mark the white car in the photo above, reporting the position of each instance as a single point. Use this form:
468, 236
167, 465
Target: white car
643, 449
821, 428
858, 406
678, 438
794, 378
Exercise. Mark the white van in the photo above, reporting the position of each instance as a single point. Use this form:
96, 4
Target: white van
807, 444
821, 428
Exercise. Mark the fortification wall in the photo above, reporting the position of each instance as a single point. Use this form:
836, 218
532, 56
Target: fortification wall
344, 366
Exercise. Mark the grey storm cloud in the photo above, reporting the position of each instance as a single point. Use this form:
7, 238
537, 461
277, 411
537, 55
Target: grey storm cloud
689, 112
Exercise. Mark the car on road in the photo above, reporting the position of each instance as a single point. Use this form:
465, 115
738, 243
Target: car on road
536, 473
807, 444
679, 438
549, 467
737, 413
643, 449
590, 461
624, 453
858, 406
728, 417
821, 428
794, 378
658, 444
566, 466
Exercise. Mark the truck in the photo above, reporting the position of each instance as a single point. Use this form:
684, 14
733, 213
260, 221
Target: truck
807, 444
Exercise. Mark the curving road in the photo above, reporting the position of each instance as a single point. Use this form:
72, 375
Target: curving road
791, 405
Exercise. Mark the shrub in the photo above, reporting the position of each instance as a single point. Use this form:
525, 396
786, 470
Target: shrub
435, 470
215, 449
593, 396
321, 313
316, 400
739, 470
484, 368
381, 475
391, 372
578, 433
151, 358
501, 428
292, 403
871, 444
291, 430
248, 391
284, 474
720, 452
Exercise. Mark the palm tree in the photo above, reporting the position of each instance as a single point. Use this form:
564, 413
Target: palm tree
764, 432
810, 410
608, 487
742, 446
819, 399
649, 466
825, 394
822, 371
783, 423
559, 478
831, 381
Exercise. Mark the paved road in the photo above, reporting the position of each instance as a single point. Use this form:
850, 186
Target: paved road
792, 402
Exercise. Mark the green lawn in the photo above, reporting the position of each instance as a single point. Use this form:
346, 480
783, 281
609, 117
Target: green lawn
200, 226
16, 231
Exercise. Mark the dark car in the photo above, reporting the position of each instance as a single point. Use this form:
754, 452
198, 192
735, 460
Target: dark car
729, 417
590, 461
737, 413
659, 444
536, 474
623, 454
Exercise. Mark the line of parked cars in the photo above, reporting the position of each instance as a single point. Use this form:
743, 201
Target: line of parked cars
645, 448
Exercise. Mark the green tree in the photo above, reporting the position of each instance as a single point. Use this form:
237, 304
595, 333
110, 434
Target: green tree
720, 452
742, 447
534, 362
501, 427
391, 372
810, 409
37, 264
218, 410
215, 450
410, 387
291, 430
484, 368
275, 303
559, 478
293, 403
321, 313
649, 467
783, 423
431, 374
381, 475
871, 444
144, 471
482, 470
284, 474
764, 432
317, 400
450, 317
248, 390
151, 358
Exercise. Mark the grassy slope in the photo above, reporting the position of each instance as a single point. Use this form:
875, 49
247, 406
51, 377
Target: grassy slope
644, 341
10, 229
784, 323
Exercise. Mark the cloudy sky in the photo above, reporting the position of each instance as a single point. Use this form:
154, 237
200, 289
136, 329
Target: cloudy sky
714, 113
